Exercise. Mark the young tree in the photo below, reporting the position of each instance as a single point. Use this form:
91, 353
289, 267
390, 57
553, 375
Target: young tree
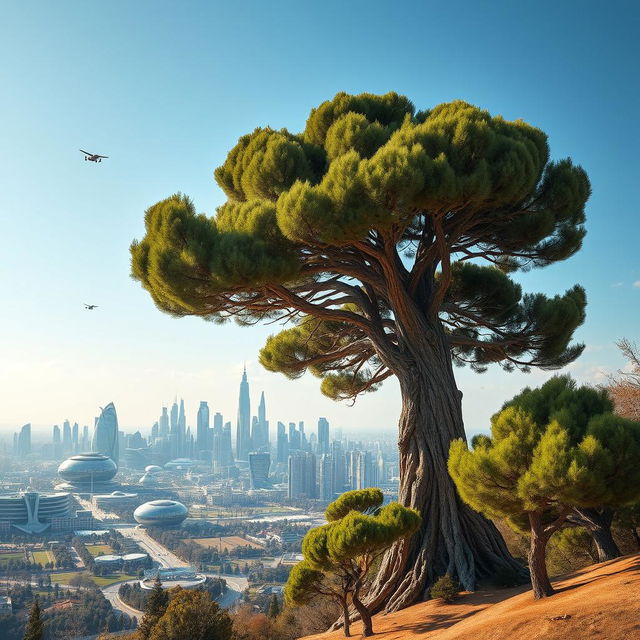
582, 411
156, 606
339, 555
274, 607
368, 232
35, 627
305, 584
193, 615
535, 476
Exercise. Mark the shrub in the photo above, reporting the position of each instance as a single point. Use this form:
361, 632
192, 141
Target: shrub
445, 588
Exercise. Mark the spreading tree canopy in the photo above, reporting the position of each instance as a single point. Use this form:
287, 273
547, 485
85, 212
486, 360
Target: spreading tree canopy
586, 411
539, 469
386, 237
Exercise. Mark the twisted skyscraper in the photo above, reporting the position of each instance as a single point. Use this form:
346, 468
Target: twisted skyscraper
105, 435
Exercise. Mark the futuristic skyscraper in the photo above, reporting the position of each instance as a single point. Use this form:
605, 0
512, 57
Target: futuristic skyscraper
105, 435
259, 464
243, 427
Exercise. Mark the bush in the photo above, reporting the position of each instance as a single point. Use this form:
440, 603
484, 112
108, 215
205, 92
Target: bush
445, 588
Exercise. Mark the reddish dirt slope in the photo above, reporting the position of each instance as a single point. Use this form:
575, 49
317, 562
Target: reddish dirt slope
600, 602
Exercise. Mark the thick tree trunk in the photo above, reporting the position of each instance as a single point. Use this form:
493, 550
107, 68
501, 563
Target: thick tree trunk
636, 537
453, 538
540, 582
598, 523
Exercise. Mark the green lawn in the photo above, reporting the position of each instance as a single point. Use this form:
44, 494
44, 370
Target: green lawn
41, 557
63, 578
13, 555
104, 581
99, 549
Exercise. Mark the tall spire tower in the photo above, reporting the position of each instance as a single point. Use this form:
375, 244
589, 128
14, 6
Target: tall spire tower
243, 428
263, 424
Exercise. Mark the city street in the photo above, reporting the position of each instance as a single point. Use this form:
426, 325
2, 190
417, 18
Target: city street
160, 554
111, 594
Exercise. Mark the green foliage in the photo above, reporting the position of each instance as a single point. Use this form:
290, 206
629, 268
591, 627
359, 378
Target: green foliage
576, 541
355, 535
35, 627
552, 451
605, 444
303, 585
274, 607
157, 604
561, 399
338, 556
315, 224
445, 588
192, 614
362, 500
576, 458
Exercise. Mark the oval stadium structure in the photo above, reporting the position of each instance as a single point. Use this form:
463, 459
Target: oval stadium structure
160, 513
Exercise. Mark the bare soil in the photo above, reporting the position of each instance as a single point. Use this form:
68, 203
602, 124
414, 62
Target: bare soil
599, 602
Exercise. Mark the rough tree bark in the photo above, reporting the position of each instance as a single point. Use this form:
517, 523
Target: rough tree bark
540, 582
453, 539
346, 624
598, 523
365, 616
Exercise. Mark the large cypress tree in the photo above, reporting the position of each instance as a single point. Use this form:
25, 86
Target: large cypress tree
386, 236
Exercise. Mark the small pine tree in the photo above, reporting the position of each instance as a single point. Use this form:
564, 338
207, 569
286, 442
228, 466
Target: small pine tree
35, 627
274, 607
444, 588
338, 556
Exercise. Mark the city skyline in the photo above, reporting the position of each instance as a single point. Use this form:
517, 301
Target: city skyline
192, 409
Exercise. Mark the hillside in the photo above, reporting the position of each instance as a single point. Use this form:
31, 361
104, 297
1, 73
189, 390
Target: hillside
600, 601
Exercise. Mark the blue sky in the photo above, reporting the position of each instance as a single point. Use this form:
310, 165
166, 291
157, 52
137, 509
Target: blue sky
166, 88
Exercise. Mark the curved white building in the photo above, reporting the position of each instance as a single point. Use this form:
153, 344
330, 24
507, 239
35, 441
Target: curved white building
160, 513
105, 434
88, 472
32, 512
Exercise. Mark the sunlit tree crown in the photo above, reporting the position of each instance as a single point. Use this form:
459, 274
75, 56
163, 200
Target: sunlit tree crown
373, 222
